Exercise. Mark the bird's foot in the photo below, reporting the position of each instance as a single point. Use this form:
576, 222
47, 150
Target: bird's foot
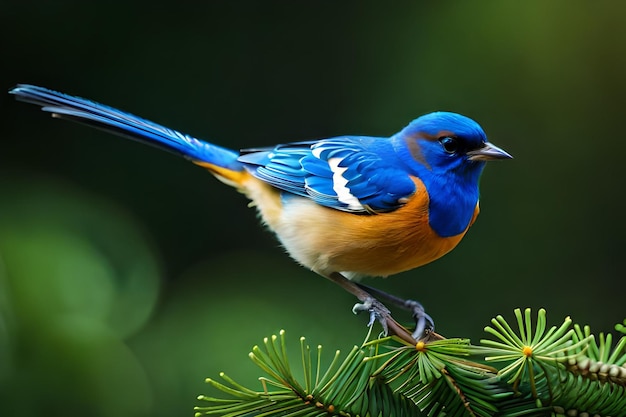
424, 324
377, 310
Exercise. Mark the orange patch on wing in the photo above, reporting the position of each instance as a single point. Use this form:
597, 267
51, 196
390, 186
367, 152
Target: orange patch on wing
229, 176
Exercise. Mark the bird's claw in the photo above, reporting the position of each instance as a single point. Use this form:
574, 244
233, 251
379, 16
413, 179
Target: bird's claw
423, 322
378, 312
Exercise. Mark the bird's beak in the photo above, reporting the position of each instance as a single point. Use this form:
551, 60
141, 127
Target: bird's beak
488, 152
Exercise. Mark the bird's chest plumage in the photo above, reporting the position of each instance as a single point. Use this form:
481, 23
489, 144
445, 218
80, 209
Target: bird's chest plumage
328, 240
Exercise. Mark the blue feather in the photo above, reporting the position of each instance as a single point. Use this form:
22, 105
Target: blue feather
125, 124
303, 168
450, 178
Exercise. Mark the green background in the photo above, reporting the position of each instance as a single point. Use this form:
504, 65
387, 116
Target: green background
128, 275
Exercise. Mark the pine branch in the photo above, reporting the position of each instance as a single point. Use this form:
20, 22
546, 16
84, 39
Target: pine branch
543, 372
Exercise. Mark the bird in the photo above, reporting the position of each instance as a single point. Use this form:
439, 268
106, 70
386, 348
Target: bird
344, 207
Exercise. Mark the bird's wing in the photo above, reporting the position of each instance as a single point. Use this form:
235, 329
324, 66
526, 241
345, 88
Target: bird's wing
344, 173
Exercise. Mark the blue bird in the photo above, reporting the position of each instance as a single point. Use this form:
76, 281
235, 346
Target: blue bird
344, 207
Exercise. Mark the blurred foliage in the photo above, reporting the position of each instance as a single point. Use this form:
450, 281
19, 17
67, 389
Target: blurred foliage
128, 275
78, 280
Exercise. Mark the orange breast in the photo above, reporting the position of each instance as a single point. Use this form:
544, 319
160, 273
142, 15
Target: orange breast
379, 245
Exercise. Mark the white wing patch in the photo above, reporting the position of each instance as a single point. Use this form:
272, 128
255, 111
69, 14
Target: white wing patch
340, 185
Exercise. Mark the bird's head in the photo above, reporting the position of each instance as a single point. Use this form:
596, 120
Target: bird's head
445, 143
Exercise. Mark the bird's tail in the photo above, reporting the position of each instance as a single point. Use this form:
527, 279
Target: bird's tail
222, 162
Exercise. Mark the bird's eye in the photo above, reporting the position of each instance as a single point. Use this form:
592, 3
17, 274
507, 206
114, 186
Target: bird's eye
450, 144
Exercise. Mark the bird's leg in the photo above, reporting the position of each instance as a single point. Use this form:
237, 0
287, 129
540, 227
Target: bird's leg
377, 310
423, 322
